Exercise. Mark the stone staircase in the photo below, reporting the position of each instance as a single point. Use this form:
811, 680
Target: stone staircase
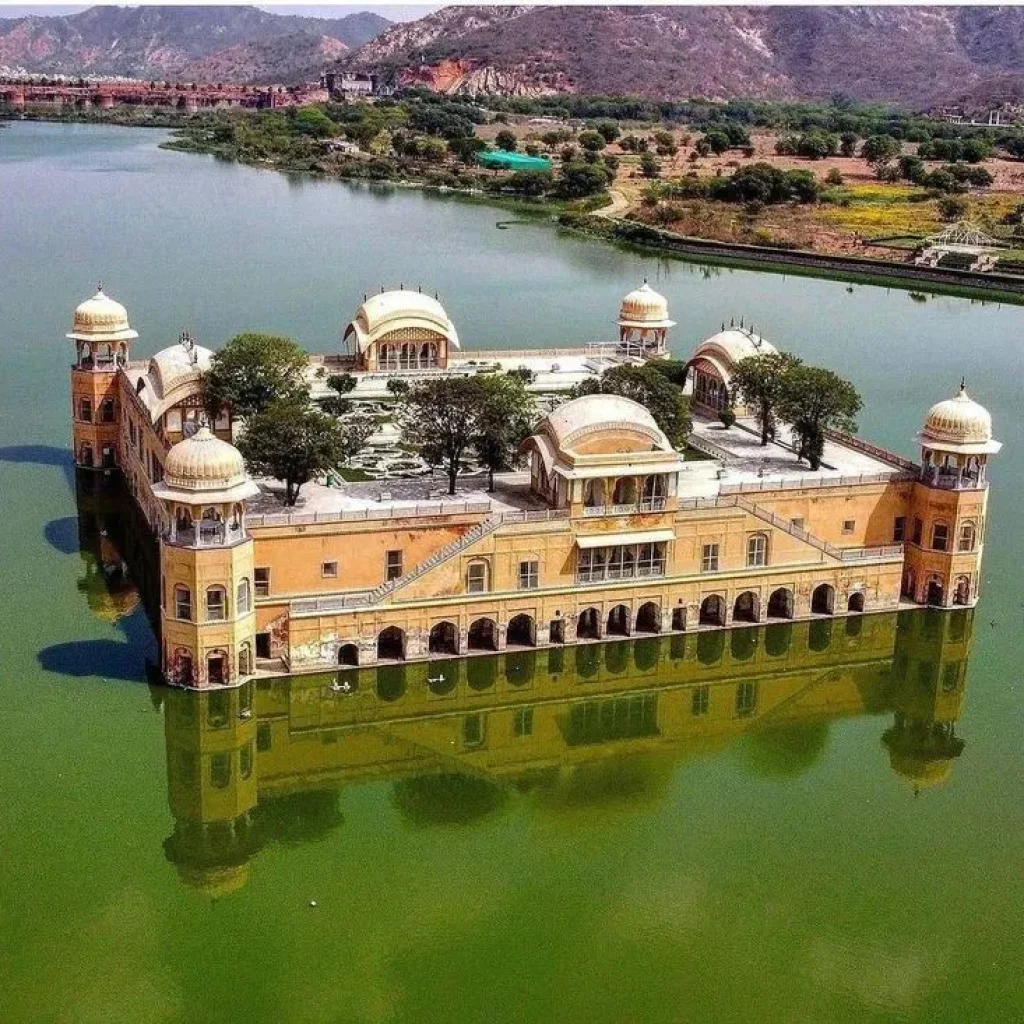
470, 537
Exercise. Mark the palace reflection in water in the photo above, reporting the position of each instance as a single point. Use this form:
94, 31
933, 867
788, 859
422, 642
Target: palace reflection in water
456, 739
589, 725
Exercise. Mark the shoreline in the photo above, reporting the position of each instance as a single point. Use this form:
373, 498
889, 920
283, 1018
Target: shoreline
606, 223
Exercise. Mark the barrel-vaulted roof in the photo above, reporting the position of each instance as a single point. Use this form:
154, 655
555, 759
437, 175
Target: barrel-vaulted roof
396, 311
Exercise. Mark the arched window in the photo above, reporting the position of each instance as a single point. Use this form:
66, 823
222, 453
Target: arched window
85, 410
940, 536
962, 590
216, 604
757, 550
85, 455
182, 603
245, 659
244, 596
477, 577
968, 536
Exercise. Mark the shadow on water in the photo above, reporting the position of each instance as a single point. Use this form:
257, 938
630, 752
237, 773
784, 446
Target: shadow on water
41, 455
62, 534
130, 660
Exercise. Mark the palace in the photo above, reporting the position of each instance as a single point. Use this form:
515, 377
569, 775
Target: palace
610, 533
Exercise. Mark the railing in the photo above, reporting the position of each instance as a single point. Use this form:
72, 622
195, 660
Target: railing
602, 573
204, 537
441, 508
332, 603
647, 505
954, 481
804, 482
874, 450
859, 554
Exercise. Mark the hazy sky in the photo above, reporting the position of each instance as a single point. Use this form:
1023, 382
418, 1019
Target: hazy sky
394, 12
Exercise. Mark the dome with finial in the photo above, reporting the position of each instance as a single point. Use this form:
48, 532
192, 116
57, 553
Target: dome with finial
101, 319
203, 462
732, 343
645, 308
405, 315
959, 424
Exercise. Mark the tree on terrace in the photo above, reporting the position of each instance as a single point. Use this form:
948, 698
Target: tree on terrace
292, 442
813, 401
252, 371
761, 381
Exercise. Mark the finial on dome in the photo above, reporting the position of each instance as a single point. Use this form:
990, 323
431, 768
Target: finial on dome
401, 286
99, 287
741, 323
963, 385
732, 321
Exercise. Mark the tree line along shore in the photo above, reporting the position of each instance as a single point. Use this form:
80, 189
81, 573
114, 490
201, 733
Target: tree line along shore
836, 178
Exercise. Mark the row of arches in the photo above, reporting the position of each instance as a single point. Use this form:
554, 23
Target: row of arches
408, 355
934, 591
592, 624
183, 669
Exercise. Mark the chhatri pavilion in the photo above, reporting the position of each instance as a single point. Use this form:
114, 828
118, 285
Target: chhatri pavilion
607, 531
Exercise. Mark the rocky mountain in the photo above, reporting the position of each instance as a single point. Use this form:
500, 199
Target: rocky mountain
915, 55
233, 44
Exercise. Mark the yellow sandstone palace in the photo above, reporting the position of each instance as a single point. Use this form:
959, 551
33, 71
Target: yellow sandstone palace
610, 533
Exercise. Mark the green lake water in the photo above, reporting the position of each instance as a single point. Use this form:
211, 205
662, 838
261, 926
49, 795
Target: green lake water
832, 830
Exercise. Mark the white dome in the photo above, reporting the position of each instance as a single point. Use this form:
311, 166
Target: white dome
570, 420
101, 319
413, 313
735, 343
957, 423
644, 307
204, 462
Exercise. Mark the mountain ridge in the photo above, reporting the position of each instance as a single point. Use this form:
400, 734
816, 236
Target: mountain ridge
203, 44
915, 55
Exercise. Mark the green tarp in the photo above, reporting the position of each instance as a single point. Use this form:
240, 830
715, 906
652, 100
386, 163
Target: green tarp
513, 161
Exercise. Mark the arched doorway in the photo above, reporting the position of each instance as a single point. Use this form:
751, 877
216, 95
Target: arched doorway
962, 590
348, 655
391, 644
443, 639
935, 593
618, 621
521, 631
625, 491
746, 607
216, 668
588, 625
780, 604
679, 619
483, 636
823, 600
856, 602
712, 611
648, 618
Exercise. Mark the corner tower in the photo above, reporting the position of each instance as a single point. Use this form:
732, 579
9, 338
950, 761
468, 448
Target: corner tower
101, 334
207, 617
947, 524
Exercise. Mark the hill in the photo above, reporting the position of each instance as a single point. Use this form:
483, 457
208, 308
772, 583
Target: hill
915, 55
233, 44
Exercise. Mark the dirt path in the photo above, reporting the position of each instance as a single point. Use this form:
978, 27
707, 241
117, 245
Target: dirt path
616, 207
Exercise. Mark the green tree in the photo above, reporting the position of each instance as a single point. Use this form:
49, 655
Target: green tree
592, 141
848, 143
761, 381
952, 208
313, 121
880, 149
506, 420
813, 401
441, 420
664, 400
341, 384
252, 371
506, 140
292, 442
609, 129
649, 166
579, 179
716, 141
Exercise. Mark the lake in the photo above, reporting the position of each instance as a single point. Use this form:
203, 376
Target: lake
788, 825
